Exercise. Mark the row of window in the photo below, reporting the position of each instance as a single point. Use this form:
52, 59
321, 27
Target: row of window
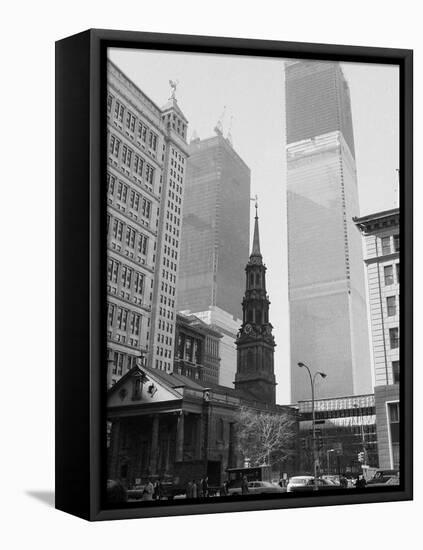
128, 277
123, 193
123, 317
131, 123
390, 243
130, 159
388, 274
133, 238
122, 361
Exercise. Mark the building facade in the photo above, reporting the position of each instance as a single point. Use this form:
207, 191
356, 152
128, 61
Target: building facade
228, 326
345, 428
196, 349
328, 315
382, 260
215, 228
146, 164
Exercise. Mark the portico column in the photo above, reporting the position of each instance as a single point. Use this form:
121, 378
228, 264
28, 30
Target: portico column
180, 437
154, 444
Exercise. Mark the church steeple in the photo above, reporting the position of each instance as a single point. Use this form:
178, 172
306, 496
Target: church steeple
255, 252
255, 341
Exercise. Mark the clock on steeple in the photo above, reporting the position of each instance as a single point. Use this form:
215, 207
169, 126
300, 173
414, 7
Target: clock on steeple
255, 342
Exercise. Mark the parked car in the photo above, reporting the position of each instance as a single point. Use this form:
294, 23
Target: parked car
256, 488
299, 484
384, 478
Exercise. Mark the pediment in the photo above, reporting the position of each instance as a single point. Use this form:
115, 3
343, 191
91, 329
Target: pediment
138, 387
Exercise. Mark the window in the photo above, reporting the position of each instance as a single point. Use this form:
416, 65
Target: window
117, 229
142, 244
130, 121
135, 323
130, 237
122, 192
111, 180
153, 141
397, 267
149, 173
142, 132
113, 270
134, 200
126, 276
396, 243
110, 314
394, 337
146, 207
396, 371
138, 165
114, 146
388, 271
386, 245
109, 102
119, 111
391, 305
139, 282
126, 155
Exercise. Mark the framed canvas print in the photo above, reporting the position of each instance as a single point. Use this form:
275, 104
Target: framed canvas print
234, 222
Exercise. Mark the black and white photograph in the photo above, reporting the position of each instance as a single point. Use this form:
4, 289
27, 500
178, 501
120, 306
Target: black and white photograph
253, 278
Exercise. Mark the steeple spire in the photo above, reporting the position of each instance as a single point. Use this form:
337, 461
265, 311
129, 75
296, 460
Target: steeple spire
255, 256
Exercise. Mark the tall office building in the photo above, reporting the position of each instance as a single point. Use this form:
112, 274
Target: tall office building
215, 242
328, 316
146, 163
382, 245
215, 228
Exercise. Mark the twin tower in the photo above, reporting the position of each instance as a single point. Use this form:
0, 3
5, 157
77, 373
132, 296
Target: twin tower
255, 376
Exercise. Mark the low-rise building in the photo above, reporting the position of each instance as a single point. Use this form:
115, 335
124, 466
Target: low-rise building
382, 260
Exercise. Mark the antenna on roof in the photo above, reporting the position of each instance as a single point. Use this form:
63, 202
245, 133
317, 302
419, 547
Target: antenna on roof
219, 126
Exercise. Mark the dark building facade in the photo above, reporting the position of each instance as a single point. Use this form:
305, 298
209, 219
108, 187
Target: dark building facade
215, 227
345, 427
196, 349
327, 298
255, 343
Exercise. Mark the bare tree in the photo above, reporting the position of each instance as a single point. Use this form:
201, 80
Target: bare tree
265, 438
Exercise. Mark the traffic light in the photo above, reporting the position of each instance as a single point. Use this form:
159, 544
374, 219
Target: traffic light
361, 456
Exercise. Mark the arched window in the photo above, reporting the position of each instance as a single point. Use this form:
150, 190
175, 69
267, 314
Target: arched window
257, 279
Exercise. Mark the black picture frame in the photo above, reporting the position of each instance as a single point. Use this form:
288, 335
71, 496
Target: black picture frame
80, 262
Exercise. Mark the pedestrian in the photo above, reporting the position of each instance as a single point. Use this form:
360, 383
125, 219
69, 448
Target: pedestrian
244, 485
200, 488
224, 489
189, 489
147, 494
205, 487
343, 481
362, 482
158, 490
194, 489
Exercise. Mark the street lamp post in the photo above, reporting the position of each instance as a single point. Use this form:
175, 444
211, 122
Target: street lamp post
313, 416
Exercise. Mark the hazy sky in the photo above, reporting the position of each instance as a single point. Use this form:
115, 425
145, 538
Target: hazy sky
252, 89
